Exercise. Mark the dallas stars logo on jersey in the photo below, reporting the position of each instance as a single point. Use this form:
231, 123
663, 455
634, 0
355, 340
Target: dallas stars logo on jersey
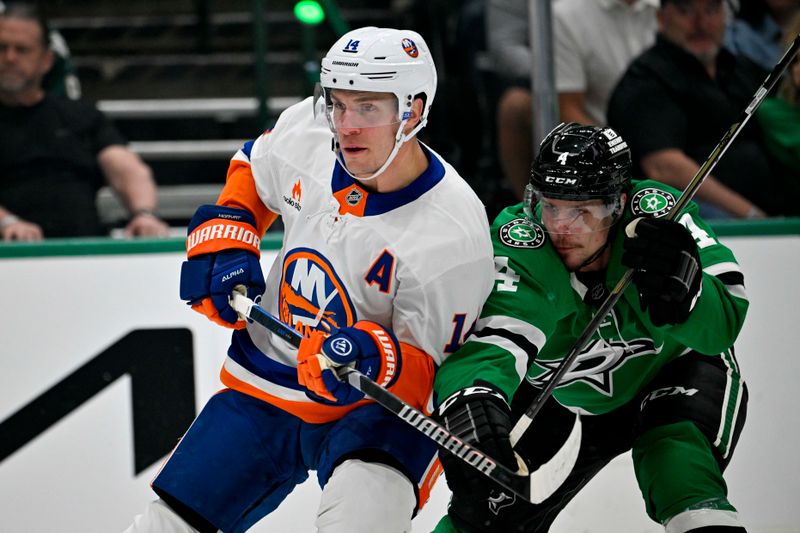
596, 364
520, 233
599, 360
652, 202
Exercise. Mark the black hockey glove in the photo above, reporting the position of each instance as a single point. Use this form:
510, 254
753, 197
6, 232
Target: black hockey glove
480, 416
667, 269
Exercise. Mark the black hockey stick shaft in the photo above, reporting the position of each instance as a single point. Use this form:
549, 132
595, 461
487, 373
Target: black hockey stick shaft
535, 487
688, 193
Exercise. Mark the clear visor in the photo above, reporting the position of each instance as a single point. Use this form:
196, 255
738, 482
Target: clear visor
572, 217
346, 109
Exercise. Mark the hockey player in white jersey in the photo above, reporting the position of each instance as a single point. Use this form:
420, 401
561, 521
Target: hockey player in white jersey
385, 249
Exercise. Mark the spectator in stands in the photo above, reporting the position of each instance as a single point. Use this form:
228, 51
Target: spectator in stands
779, 115
62, 78
594, 41
757, 30
676, 101
55, 153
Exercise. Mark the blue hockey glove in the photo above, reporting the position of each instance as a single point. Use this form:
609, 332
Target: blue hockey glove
368, 347
223, 252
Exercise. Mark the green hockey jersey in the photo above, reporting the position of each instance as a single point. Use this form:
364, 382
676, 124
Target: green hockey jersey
537, 309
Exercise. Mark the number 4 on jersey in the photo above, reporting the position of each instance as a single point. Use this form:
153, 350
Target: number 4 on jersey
504, 275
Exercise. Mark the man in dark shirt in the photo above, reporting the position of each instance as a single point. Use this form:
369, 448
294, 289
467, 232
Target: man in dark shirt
55, 153
677, 100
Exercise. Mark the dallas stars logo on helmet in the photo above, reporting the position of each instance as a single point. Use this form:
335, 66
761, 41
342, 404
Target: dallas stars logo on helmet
654, 202
520, 233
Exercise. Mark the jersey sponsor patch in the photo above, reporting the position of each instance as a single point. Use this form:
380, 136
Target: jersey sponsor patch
520, 233
296, 194
652, 202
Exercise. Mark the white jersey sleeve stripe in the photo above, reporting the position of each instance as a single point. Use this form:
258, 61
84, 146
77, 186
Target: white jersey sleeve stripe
722, 268
244, 375
515, 326
737, 290
502, 331
719, 269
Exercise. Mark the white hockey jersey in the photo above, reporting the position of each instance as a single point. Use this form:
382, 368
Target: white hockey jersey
417, 261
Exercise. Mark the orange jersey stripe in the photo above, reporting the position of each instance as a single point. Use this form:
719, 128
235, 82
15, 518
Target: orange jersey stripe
240, 191
435, 470
311, 412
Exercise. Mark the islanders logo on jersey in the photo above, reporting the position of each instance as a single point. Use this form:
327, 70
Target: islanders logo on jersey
312, 296
410, 47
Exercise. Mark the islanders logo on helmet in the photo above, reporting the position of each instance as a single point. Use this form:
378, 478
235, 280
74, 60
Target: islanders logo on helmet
312, 296
410, 47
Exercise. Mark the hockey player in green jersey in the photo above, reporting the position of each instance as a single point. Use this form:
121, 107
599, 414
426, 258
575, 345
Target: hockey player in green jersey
659, 375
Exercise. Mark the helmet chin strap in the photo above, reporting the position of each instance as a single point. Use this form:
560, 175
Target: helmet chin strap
398, 142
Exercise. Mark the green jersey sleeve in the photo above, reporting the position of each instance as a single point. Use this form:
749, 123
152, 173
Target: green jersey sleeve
720, 309
504, 340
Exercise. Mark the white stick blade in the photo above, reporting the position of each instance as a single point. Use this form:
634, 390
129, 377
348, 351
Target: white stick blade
552, 474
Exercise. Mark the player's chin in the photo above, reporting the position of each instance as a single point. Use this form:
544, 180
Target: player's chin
572, 258
360, 170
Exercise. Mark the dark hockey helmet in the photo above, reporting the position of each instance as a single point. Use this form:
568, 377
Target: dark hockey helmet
578, 162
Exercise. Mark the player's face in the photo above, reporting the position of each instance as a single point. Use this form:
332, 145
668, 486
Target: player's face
577, 229
24, 59
697, 26
366, 124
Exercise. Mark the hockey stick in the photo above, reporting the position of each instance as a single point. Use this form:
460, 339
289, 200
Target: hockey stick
535, 487
691, 188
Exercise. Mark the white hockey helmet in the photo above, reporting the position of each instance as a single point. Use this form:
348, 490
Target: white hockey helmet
382, 60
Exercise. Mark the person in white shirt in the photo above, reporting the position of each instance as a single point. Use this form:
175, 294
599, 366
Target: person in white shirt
594, 41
